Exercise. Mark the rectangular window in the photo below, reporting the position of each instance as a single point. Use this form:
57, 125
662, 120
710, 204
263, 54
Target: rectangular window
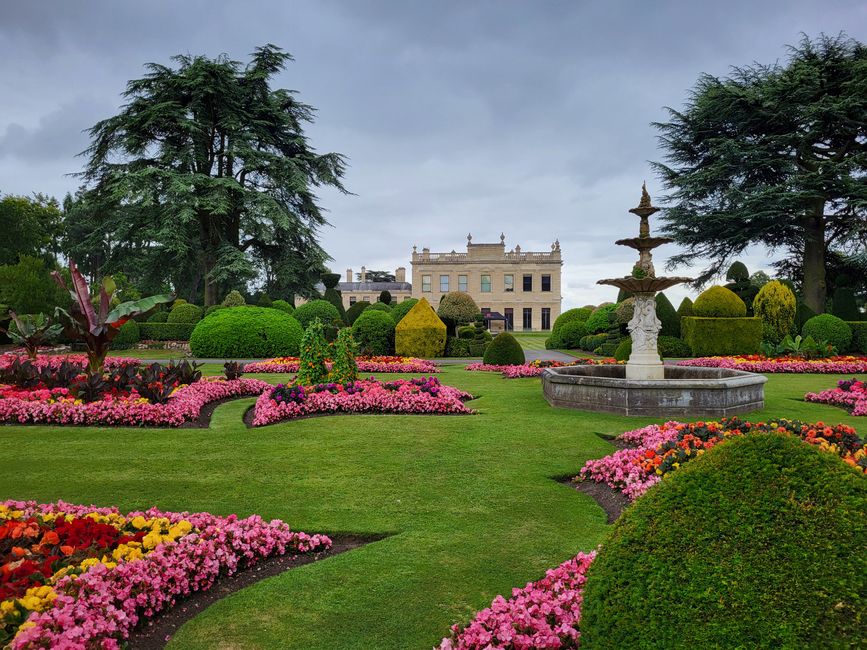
546, 283
351, 300
509, 313
546, 318
528, 283
509, 282
528, 318
486, 284
444, 283
425, 283
462, 283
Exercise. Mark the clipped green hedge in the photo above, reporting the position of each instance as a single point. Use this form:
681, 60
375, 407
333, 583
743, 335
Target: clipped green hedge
826, 327
577, 313
859, 336
708, 337
355, 311
246, 332
504, 350
695, 564
166, 331
592, 341
667, 315
669, 347
128, 335
401, 309
719, 302
420, 334
373, 330
158, 317
571, 333
321, 309
186, 313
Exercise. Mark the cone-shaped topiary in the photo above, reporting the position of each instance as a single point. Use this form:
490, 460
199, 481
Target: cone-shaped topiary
373, 330
336, 298
385, 297
355, 310
420, 333
827, 327
246, 332
719, 302
234, 299
321, 309
695, 546
504, 350
775, 304
401, 309
667, 315
685, 308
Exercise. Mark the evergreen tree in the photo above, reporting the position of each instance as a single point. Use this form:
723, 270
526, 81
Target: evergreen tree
774, 155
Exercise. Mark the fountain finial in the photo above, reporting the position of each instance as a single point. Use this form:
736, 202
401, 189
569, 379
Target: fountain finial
645, 197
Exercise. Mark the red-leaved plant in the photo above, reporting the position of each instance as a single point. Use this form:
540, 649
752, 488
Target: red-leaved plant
97, 328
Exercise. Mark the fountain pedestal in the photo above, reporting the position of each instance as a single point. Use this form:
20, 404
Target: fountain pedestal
644, 362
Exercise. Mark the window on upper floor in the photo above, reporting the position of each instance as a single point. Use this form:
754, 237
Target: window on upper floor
528, 282
463, 285
509, 282
425, 283
444, 283
351, 300
546, 283
486, 284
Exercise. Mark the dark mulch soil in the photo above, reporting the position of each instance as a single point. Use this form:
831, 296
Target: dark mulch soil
612, 501
204, 419
250, 413
620, 444
156, 633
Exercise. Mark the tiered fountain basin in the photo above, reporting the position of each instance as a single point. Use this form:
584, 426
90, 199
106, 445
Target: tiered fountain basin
699, 392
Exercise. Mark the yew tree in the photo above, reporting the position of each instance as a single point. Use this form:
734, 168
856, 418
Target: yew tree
212, 163
774, 155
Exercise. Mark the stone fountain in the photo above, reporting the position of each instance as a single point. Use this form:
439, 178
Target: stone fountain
645, 386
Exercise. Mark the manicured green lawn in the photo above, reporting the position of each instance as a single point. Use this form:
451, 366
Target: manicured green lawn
532, 340
469, 502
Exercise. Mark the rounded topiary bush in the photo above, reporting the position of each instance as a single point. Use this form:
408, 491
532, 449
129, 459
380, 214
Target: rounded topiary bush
321, 309
283, 306
719, 302
373, 331
625, 311
457, 308
210, 310
504, 350
598, 321
571, 333
826, 327
264, 300
186, 313
577, 313
401, 309
694, 564
624, 349
158, 317
355, 311
234, 299
380, 306
246, 332
775, 304
128, 334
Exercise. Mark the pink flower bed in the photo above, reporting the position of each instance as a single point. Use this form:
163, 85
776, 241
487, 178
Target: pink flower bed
534, 368
101, 606
759, 363
53, 407
849, 394
544, 614
415, 396
365, 364
53, 361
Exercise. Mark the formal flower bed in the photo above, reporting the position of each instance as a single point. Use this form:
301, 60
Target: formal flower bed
418, 395
544, 614
54, 361
535, 368
58, 405
661, 449
365, 364
851, 394
760, 363
83, 577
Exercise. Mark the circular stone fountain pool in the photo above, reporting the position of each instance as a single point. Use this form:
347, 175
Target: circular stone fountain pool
699, 392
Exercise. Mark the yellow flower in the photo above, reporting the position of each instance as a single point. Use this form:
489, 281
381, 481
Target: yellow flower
139, 522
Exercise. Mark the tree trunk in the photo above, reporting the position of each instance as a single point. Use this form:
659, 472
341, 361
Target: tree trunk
814, 288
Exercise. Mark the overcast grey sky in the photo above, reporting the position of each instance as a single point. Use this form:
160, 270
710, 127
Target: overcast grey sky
530, 118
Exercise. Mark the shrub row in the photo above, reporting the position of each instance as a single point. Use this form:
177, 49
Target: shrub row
722, 336
165, 331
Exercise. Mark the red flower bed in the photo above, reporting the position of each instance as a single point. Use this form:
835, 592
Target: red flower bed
365, 364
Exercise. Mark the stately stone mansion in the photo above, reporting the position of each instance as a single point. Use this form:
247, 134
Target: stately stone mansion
519, 289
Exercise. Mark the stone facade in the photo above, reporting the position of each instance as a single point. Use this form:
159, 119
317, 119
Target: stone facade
523, 286
353, 292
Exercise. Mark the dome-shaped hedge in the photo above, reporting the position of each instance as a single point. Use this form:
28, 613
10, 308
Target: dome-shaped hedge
571, 333
577, 313
373, 331
380, 306
401, 309
695, 564
719, 302
457, 308
186, 313
158, 317
234, 299
246, 332
321, 309
598, 321
504, 350
282, 305
826, 327
625, 311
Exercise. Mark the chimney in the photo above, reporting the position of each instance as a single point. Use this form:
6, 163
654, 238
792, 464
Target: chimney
400, 274
363, 274
349, 275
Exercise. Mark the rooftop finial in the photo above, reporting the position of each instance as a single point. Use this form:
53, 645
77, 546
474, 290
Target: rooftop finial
470, 238
645, 197
502, 238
